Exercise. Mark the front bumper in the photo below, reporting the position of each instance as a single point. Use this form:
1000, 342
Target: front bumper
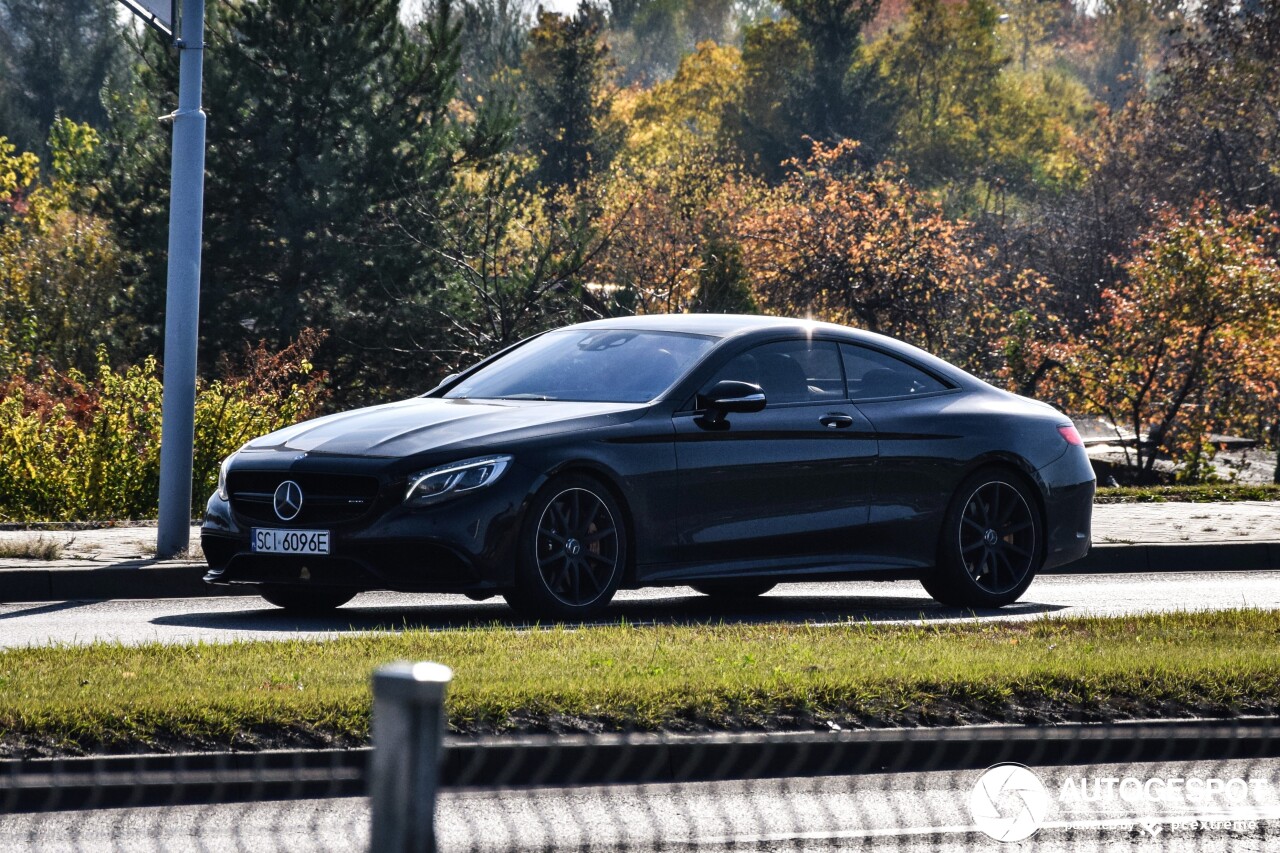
463, 545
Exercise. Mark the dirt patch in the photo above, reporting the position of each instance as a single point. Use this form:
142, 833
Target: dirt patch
1022, 710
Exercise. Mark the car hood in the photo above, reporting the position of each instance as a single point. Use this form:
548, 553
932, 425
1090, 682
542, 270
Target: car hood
422, 424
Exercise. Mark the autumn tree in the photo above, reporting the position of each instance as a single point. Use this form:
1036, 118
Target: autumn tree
968, 123
1188, 341
688, 111
512, 265
662, 219
861, 246
1209, 126
60, 295
1213, 124
675, 191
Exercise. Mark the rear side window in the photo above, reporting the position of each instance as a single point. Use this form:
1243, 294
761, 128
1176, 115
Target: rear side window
873, 375
800, 371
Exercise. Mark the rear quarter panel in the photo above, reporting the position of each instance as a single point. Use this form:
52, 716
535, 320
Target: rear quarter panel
928, 445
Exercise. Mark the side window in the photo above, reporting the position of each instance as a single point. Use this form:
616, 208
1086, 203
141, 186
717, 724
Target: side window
788, 371
872, 375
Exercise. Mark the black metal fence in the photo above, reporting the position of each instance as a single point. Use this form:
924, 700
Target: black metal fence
1189, 785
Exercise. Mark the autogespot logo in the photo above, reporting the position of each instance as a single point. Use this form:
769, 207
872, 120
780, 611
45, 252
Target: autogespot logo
1008, 802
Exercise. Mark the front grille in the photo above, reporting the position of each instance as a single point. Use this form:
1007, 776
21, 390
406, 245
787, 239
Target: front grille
326, 498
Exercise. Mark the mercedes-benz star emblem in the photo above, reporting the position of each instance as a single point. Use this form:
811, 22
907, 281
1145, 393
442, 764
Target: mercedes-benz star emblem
288, 500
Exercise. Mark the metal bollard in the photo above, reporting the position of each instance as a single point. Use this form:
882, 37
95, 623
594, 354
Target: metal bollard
408, 728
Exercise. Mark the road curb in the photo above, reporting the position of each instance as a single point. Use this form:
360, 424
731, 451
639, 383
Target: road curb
110, 582
590, 760
637, 759
133, 781
149, 579
1175, 557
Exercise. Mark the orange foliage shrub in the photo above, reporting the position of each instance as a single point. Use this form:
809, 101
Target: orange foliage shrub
1188, 342
841, 242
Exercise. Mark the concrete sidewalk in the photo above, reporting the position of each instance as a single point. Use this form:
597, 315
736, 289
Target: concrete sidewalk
109, 562
119, 562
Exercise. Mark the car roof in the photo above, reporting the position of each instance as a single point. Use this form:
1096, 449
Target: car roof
715, 325
734, 325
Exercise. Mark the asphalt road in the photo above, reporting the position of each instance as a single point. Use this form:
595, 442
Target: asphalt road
903, 812
222, 619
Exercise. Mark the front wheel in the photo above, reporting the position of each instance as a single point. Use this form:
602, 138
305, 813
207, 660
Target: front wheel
573, 551
306, 599
992, 543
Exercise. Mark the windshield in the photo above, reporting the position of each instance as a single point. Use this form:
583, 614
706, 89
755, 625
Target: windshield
588, 365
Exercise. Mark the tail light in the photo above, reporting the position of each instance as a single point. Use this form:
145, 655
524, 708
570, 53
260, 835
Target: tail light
1069, 433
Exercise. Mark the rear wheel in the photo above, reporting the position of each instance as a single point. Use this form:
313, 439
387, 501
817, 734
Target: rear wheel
992, 543
573, 551
736, 590
306, 599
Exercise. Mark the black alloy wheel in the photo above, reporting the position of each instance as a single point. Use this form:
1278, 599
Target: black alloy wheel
997, 537
577, 546
573, 552
305, 599
991, 543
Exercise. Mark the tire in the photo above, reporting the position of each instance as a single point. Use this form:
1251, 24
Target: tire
306, 599
992, 542
735, 590
573, 551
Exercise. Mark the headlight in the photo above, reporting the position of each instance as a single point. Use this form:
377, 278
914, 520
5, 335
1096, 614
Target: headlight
222, 477
456, 478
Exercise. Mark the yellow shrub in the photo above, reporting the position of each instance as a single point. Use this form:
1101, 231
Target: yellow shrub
74, 449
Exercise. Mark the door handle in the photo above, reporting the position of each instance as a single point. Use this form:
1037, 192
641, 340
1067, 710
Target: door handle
836, 420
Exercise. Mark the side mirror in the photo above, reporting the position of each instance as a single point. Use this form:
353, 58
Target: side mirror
730, 396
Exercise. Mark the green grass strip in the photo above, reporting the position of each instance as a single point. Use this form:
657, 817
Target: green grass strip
1206, 493
261, 694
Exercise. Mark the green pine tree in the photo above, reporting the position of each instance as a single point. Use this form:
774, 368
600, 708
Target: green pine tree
55, 58
722, 281
328, 127
567, 69
807, 78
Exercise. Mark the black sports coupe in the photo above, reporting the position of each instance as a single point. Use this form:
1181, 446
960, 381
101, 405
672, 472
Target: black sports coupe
727, 453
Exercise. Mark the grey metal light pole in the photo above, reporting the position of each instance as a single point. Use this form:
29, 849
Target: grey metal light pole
408, 730
182, 297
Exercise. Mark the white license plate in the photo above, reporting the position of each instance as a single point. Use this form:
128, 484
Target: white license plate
268, 541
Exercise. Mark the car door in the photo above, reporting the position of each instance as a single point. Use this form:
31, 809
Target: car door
792, 480
918, 460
